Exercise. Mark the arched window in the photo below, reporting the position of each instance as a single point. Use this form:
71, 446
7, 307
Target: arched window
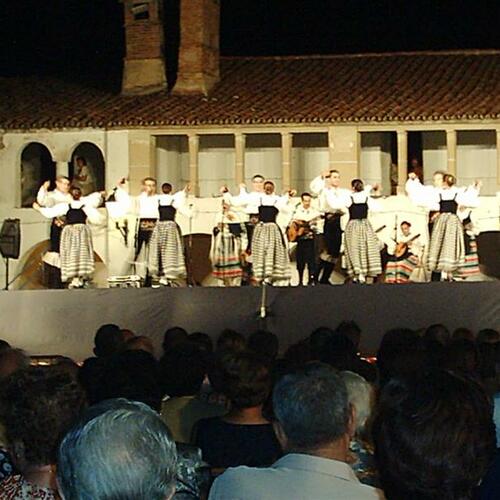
86, 169
37, 167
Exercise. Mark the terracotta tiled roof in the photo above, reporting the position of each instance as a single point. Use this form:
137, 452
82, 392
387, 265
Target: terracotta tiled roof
312, 89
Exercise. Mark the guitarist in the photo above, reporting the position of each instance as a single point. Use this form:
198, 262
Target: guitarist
405, 256
304, 222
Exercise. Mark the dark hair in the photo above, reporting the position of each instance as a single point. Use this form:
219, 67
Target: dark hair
334, 171
318, 339
82, 159
173, 337
244, 379
166, 188
434, 437
140, 343
488, 335
39, 405
151, 179
120, 449
438, 332
231, 341
12, 360
449, 180
357, 185
351, 330
303, 195
405, 223
269, 183
463, 333
183, 369
108, 340
257, 176
462, 356
312, 406
264, 343
4, 345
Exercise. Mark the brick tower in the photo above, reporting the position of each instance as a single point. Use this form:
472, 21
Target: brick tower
144, 64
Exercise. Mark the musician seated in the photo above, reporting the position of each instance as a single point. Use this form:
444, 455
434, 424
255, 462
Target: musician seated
302, 229
404, 255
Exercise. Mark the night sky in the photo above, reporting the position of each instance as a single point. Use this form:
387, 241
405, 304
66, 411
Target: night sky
84, 38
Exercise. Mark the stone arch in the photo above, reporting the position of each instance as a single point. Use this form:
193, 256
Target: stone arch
87, 167
36, 167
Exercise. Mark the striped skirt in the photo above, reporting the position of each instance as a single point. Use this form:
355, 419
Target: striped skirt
399, 271
77, 252
362, 249
471, 264
166, 251
270, 254
446, 248
225, 255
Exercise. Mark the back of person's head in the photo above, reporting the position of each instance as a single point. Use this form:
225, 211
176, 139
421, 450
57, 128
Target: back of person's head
439, 333
357, 185
183, 369
462, 356
338, 352
463, 333
4, 345
244, 378
132, 375
264, 343
318, 339
230, 341
202, 340
140, 343
127, 334
122, 450
312, 408
351, 330
362, 397
434, 437
298, 354
108, 340
488, 336
38, 406
401, 353
173, 337
12, 360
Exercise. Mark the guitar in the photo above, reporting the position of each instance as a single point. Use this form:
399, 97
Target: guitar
402, 248
299, 228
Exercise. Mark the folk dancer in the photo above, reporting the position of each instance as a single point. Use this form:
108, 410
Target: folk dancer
45, 198
404, 256
271, 262
145, 208
304, 225
362, 247
76, 249
166, 260
249, 203
332, 202
470, 268
229, 243
446, 247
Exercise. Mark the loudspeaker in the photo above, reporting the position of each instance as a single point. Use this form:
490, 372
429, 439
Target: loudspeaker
488, 249
10, 238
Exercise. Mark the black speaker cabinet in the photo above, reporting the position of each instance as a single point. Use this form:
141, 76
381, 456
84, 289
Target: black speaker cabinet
488, 249
10, 238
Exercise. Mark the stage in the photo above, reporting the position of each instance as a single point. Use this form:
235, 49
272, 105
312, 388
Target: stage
64, 321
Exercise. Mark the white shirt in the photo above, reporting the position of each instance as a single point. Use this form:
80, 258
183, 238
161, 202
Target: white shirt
294, 477
50, 198
88, 205
146, 206
305, 214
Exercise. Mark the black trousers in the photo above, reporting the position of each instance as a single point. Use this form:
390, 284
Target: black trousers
333, 234
306, 256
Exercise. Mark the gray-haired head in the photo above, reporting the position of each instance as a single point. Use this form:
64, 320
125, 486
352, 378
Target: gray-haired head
361, 397
312, 407
120, 450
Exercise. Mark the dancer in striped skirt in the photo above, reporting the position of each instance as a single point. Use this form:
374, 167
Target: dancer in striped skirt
271, 262
470, 268
76, 249
166, 250
404, 258
362, 250
229, 243
447, 246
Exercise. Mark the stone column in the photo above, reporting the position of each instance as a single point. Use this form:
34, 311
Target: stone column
62, 168
451, 146
239, 153
343, 153
141, 158
402, 160
286, 160
498, 159
194, 145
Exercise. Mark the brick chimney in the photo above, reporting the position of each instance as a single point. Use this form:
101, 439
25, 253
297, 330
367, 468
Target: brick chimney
144, 64
199, 47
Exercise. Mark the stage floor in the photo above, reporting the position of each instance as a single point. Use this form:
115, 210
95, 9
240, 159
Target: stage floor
64, 321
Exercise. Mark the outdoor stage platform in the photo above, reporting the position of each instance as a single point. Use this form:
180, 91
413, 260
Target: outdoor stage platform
64, 321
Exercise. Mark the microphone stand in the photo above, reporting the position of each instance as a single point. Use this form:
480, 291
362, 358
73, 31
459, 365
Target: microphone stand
190, 279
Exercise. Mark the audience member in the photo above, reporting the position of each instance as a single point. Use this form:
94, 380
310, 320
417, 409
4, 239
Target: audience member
243, 436
38, 405
314, 424
127, 334
439, 333
230, 341
182, 372
434, 437
463, 333
488, 336
317, 341
202, 340
140, 343
4, 345
173, 337
12, 360
351, 330
462, 357
122, 450
361, 396
265, 344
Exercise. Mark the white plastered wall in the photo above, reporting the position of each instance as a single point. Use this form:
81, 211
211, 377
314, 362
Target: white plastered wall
434, 153
375, 159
